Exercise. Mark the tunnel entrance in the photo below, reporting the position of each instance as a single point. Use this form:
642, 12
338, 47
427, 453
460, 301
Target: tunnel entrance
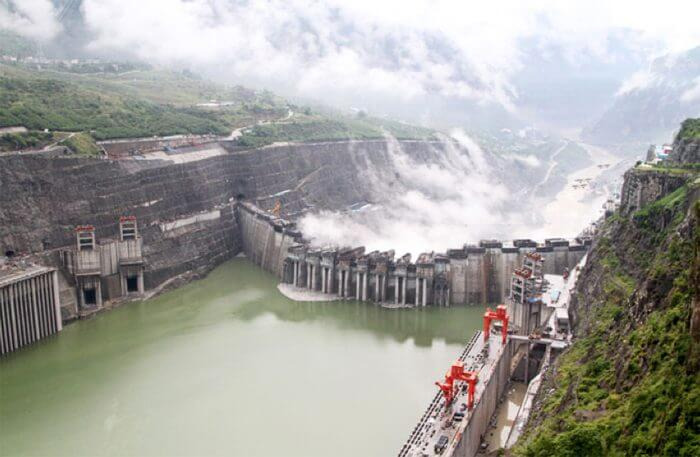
90, 296
132, 283
9, 253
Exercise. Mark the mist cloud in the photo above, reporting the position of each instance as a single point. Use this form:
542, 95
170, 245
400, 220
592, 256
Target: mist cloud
405, 50
32, 18
433, 206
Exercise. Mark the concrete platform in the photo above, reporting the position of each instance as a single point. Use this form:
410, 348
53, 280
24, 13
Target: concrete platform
304, 294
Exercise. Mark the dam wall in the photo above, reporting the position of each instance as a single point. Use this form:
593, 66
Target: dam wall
265, 240
474, 274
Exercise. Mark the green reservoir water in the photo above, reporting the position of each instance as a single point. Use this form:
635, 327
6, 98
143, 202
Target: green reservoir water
229, 366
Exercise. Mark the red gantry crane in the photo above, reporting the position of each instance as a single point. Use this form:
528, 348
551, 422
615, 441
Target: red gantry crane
458, 373
498, 315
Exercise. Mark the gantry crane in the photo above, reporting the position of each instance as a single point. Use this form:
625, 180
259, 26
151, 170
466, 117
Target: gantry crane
498, 315
458, 373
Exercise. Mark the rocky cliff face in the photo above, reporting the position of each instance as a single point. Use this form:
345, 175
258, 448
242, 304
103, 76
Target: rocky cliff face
685, 151
645, 185
630, 385
184, 210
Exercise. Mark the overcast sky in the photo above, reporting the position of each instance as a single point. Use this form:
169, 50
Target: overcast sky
394, 51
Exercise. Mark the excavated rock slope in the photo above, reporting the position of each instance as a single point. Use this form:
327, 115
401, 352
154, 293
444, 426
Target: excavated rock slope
184, 210
630, 385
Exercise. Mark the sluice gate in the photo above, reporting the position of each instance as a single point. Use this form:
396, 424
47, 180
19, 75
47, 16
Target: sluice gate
29, 307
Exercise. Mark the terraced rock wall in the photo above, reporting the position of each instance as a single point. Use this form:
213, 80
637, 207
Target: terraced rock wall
184, 211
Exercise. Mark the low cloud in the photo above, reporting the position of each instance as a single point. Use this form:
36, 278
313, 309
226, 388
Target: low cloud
528, 160
35, 19
394, 51
693, 93
638, 81
434, 206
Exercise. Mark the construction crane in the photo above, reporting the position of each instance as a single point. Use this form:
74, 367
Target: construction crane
498, 315
277, 209
458, 373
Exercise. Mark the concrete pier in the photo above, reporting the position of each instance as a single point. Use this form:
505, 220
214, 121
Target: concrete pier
30, 308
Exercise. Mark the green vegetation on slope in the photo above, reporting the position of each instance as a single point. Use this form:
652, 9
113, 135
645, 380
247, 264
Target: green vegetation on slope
24, 140
321, 128
56, 105
141, 102
82, 144
627, 385
690, 128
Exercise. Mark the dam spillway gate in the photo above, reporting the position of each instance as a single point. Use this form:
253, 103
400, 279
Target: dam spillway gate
473, 274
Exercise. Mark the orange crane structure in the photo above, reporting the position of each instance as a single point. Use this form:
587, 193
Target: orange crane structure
458, 373
498, 315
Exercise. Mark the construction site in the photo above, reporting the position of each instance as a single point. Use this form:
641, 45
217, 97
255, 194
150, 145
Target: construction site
162, 221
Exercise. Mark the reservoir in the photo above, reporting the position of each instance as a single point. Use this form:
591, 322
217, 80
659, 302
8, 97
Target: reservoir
229, 366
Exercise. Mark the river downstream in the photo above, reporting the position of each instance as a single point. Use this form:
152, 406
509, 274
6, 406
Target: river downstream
229, 366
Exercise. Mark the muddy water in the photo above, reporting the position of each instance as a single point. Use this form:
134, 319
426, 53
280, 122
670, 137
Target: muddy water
496, 437
228, 366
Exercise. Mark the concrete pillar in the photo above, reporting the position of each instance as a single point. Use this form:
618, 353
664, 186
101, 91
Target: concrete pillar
313, 277
139, 282
41, 305
15, 316
122, 283
416, 302
377, 297
19, 310
323, 280
358, 286
35, 308
308, 276
396, 291
3, 322
294, 273
425, 291
403, 291
98, 292
346, 278
365, 285
49, 304
382, 288
12, 316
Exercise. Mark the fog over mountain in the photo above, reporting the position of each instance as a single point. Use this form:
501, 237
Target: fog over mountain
437, 62
652, 103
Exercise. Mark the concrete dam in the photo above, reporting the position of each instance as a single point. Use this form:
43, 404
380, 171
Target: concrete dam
82, 235
472, 274
197, 211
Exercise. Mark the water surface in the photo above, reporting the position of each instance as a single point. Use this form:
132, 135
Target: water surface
228, 366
